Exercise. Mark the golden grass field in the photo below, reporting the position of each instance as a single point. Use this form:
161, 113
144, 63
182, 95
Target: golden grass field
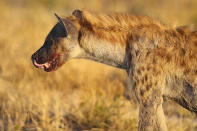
81, 95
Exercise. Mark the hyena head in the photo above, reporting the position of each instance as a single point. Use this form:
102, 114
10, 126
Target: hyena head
60, 42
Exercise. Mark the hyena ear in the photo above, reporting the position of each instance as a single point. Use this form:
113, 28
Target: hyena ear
78, 14
59, 19
69, 27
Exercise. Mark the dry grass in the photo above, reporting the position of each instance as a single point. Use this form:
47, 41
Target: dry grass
82, 95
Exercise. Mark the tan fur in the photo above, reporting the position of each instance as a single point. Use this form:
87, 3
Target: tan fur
113, 27
147, 49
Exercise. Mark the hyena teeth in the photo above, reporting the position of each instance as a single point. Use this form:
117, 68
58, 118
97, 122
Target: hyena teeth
46, 65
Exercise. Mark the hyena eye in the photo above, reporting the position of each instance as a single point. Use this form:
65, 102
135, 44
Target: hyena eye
48, 43
63, 32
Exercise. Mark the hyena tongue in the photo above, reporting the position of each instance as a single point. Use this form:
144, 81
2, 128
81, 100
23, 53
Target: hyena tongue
38, 65
45, 65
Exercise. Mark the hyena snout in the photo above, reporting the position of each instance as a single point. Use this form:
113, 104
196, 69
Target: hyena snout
47, 59
40, 56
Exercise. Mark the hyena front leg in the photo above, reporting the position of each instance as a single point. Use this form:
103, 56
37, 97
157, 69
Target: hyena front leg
151, 116
148, 87
160, 124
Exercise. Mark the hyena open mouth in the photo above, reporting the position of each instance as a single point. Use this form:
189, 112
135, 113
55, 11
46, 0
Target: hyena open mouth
51, 65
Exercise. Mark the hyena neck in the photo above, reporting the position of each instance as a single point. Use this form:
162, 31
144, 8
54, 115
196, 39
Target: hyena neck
102, 51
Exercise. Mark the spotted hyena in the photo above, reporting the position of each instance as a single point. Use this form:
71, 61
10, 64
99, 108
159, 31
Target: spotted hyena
160, 61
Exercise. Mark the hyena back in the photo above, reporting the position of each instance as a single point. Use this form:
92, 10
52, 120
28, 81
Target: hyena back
160, 61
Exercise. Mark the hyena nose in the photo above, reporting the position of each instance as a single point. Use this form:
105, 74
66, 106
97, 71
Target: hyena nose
34, 58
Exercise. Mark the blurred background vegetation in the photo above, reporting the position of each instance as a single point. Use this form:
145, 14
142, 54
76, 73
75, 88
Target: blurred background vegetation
82, 95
